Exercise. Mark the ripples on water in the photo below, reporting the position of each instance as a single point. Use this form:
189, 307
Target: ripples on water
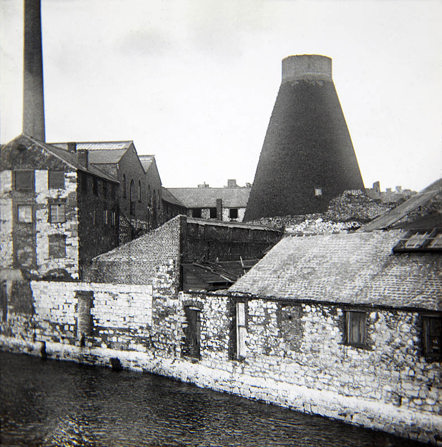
49, 403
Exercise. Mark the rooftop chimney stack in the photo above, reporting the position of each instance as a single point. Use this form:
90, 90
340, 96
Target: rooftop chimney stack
307, 157
33, 99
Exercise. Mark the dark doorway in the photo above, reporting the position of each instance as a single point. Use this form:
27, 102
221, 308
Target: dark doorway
192, 332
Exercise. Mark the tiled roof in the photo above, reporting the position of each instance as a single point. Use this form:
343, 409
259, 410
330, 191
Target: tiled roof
206, 197
70, 158
146, 161
167, 196
406, 208
357, 268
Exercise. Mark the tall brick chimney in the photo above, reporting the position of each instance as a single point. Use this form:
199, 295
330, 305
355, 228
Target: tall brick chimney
33, 99
307, 157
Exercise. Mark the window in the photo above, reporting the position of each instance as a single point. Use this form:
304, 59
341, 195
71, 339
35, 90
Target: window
56, 179
57, 245
132, 198
113, 193
114, 218
196, 212
104, 189
24, 213
318, 192
355, 328
106, 217
24, 181
241, 330
57, 213
139, 190
95, 185
432, 337
233, 213
213, 213
83, 180
124, 186
430, 240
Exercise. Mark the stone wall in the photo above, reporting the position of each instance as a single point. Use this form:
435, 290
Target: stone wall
295, 353
37, 238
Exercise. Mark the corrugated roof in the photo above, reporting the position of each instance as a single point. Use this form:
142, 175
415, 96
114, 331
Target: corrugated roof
167, 196
413, 203
357, 268
206, 197
146, 161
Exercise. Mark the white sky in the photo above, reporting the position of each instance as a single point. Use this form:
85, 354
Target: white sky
194, 81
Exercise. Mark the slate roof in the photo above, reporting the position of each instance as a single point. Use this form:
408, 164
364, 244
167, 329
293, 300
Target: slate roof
167, 196
357, 268
70, 158
406, 208
206, 197
146, 161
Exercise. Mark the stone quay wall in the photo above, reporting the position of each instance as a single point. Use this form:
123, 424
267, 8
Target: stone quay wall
294, 354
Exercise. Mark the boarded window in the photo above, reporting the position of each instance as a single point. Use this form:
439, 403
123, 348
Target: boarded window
355, 328
57, 246
56, 179
432, 337
24, 213
233, 213
420, 241
241, 330
57, 213
24, 181
213, 213
196, 212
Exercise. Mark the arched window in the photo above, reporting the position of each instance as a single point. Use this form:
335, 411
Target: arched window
132, 198
139, 190
124, 186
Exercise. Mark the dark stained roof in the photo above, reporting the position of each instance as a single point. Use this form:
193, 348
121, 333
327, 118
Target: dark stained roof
214, 275
70, 158
206, 197
357, 268
167, 196
407, 208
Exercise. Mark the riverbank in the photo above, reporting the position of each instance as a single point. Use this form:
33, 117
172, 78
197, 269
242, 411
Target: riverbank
356, 411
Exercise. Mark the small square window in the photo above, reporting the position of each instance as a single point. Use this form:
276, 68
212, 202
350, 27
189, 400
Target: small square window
56, 179
24, 213
213, 213
57, 213
57, 245
318, 192
432, 338
355, 328
24, 181
233, 213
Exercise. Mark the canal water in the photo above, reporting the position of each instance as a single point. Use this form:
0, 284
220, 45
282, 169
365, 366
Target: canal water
50, 403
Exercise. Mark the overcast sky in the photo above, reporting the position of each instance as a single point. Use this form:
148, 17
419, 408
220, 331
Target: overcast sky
194, 82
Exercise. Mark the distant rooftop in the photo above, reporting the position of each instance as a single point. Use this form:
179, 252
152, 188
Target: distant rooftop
206, 197
146, 161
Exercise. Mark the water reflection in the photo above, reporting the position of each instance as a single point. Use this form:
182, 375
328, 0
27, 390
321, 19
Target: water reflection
52, 403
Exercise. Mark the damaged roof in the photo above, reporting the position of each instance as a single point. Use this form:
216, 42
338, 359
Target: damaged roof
357, 268
70, 158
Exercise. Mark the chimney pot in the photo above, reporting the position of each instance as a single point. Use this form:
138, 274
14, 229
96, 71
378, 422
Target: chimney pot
83, 157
